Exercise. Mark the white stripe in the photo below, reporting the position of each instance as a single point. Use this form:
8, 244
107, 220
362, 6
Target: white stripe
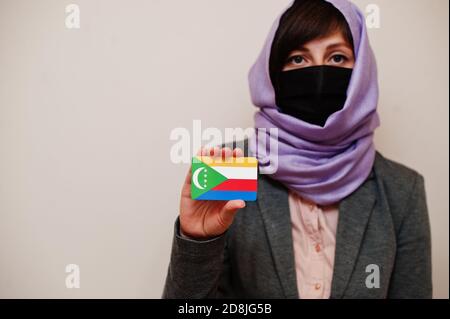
237, 172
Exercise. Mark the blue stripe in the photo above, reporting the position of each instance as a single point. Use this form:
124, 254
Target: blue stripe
227, 195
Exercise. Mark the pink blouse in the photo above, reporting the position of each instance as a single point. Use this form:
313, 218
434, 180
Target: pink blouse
314, 238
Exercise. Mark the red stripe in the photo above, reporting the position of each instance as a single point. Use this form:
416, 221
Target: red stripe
249, 185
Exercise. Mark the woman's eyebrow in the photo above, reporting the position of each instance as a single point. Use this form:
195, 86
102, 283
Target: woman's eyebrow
338, 45
300, 49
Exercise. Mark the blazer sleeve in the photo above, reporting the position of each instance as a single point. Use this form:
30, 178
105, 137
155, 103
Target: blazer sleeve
196, 269
411, 277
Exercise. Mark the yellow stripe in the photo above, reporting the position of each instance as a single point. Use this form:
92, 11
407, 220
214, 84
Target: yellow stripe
232, 161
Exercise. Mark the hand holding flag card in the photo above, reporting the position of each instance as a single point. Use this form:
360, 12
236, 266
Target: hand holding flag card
224, 179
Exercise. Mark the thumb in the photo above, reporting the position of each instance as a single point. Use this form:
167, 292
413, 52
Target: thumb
229, 210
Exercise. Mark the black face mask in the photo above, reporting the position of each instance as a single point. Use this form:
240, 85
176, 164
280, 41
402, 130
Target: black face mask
312, 94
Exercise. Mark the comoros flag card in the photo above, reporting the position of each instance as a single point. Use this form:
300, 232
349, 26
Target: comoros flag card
218, 179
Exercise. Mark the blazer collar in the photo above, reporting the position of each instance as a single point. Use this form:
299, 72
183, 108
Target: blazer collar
354, 213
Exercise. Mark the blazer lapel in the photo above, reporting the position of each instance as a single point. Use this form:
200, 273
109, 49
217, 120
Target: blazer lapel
354, 214
274, 206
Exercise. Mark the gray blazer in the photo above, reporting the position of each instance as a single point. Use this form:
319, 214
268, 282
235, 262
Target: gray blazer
384, 222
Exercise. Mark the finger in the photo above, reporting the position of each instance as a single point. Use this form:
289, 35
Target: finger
186, 189
238, 152
188, 176
200, 151
205, 151
229, 210
215, 152
226, 152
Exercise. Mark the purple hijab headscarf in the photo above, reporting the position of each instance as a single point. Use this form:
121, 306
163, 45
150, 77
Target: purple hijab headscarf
322, 164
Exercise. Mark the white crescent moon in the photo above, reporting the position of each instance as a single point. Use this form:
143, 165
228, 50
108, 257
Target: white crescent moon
195, 178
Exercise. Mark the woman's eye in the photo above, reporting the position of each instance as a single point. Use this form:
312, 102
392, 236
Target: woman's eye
296, 59
339, 58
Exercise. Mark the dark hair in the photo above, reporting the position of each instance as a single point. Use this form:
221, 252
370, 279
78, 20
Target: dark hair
304, 21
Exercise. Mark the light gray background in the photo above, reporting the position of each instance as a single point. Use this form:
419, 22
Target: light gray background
85, 118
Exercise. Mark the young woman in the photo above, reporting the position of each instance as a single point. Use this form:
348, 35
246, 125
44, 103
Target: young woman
337, 219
